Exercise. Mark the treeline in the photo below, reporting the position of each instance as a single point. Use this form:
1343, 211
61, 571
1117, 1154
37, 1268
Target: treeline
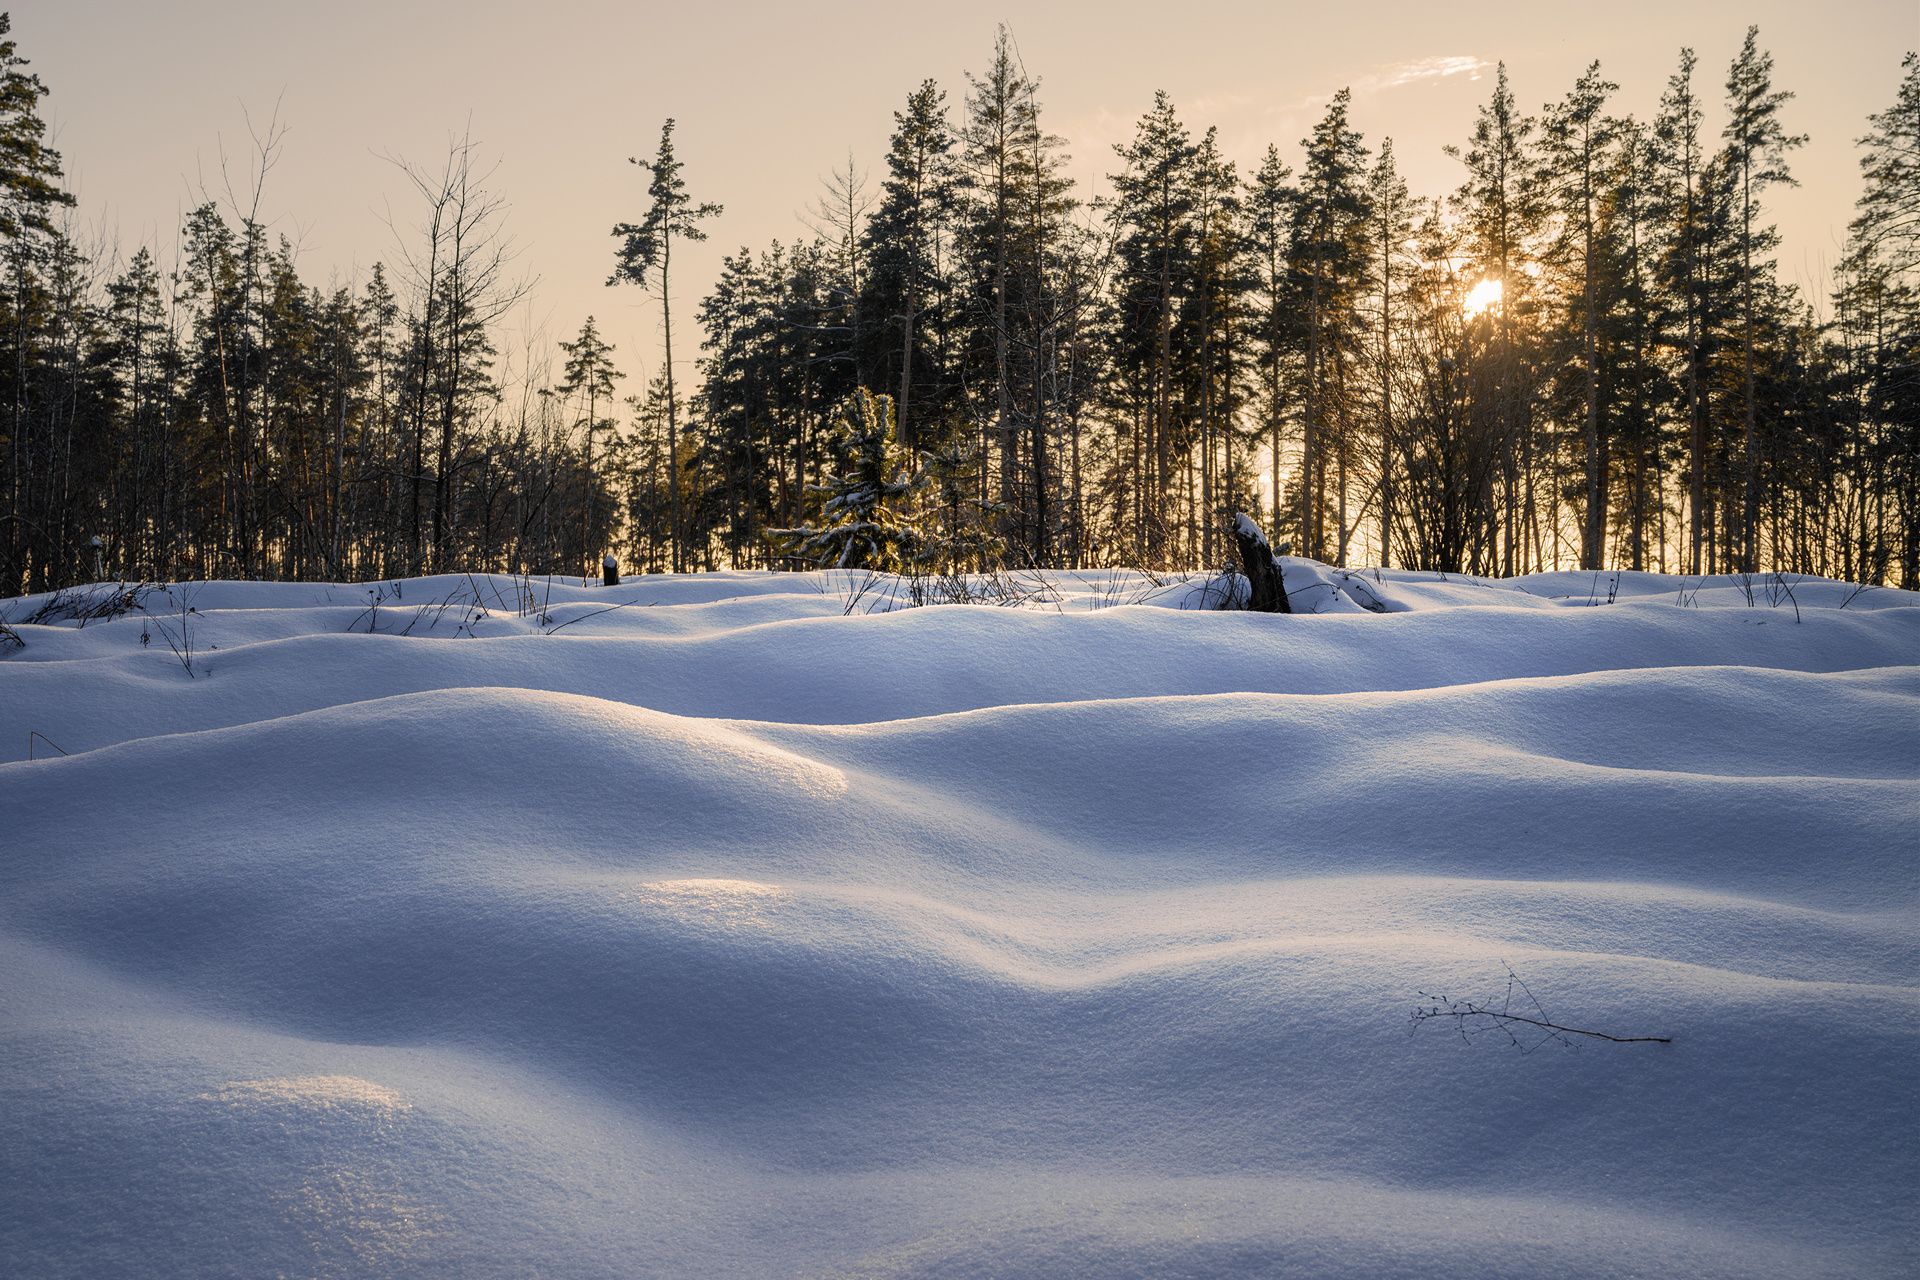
1584, 356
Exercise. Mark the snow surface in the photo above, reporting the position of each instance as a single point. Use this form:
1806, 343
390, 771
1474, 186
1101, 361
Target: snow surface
762, 926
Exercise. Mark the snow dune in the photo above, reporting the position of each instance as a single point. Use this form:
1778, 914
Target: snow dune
762, 927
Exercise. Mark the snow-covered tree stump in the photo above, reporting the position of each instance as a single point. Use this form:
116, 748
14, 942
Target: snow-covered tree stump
1267, 592
610, 571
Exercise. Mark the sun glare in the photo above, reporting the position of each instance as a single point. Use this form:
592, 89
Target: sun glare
1481, 297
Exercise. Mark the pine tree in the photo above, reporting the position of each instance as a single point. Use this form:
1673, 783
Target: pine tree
645, 467
1211, 349
1887, 225
30, 173
385, 452
590, 373
1270, 204
1641, 390
343, 374
1449, 457
213, 288
1003, 153
1389, 236
1500, 205
1152, 213
1756, 153
1329, 261
905, 239
1047, 315
1575, 145
30, 194
1877, 302
646, 254
135, 350
1680, 208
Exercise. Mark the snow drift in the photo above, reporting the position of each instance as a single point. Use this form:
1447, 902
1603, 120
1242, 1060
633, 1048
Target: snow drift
760, 926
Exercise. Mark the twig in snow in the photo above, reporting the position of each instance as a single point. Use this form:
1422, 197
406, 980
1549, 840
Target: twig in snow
1858, 590
81, 605
1777, 588
1470, 1017
182, 643
624, 604
35, 734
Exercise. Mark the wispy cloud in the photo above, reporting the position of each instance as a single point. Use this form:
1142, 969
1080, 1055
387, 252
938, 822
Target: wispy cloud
1423, 69
1251, 117
1398, 75
1380, 79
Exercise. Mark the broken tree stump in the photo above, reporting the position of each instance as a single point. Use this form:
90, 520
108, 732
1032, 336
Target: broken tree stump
1267, 591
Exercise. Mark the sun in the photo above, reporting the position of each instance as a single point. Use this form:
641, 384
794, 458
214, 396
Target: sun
1482, 297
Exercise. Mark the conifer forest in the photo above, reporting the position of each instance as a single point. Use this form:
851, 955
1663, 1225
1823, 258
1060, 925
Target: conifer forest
1583, 355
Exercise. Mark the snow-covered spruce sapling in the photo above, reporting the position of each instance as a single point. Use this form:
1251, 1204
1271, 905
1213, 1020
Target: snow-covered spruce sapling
866, 517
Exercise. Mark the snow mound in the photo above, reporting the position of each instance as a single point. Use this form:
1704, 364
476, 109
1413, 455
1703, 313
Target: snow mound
746, 924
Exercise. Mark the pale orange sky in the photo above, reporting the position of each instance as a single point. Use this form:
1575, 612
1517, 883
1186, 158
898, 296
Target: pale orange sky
771, 96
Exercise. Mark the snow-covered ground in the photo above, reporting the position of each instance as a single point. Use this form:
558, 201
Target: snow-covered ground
761, 926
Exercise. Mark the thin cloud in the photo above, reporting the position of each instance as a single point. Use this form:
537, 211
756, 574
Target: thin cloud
1248, 118
1424, 69
1399, 75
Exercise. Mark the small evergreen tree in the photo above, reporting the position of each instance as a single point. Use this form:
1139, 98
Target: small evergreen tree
866, 520
590, 373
